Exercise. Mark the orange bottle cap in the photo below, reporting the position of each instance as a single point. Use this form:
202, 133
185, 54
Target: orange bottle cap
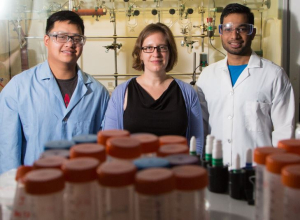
123, 147
49, 162
80, 170
96, 151
116, 174
172, 139
171, 149
290, 176
190, 177
44, 181
261, 153
103, 136
275, 162
154, 181
149, 142
21, 172
290, 145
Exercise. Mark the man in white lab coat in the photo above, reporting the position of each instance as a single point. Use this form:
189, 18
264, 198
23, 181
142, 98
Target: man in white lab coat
247, 101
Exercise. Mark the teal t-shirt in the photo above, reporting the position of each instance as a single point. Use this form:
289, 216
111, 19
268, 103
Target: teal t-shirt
235, 72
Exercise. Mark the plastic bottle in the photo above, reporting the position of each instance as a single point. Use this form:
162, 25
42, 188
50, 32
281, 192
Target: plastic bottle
182, 159
172, 139
123, 148
81, 186
172, 149
60, 144
96, 151
189, 202
249, 178
154, 188
49, 162
193, 146
116, 190
236, 180
208, 151
151, 162
103, 136
45, 193
273, 191
297, 131
149, 143
290, 178
84, 139
260, 155
21, 206
290, 145
59, 152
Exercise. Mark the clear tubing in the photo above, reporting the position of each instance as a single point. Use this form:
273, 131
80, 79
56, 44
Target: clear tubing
115, 203
47, 206
80, 201
291, 203
189, 205
272, 197
151, 207
259, 191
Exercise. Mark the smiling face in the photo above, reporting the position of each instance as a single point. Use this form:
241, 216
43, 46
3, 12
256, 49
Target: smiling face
157, 61
65, 54
237, 43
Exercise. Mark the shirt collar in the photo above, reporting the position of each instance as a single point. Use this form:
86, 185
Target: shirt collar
254, 61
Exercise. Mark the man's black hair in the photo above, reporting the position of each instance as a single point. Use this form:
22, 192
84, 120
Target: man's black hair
239, 9
70, 16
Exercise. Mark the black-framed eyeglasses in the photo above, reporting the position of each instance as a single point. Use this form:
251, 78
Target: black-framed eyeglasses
77, 39
150, 49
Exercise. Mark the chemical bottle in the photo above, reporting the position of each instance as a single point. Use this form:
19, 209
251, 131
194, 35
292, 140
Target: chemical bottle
154, 188
172, 149
149, 143
273, 191
182, 159
45, 188
93, 150
85, 138
190, 182
49, 162
123, 148
151, 162
81, 185
207, 160
21, 208
115, 197
290, 145
104, 135
290, 178
260, 155
172, 139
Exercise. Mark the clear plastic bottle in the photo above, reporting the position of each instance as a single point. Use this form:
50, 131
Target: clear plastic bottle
297, 131
81, 185
44, 188
115, 197
104, 135
21, 208
290, 178
123, 148
149, 143
260, 155
189, 202
172, 149
172, 139
290, 145
96, 151
49, 162
154, 188
273, 191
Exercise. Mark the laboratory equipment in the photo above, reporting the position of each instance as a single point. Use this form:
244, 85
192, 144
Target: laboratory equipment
290, 145
172, 149
208, 151
54, 162
182, 159
60, 144
237, 180
151, 162
104, 135
96, 151
115, 197
172, 139
83, 139
149, 143
193, 146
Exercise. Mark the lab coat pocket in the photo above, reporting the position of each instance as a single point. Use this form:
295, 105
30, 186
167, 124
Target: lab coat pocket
257, 116
82, 127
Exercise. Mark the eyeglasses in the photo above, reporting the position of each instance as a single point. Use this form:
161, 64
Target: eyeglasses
150, 49
77, 39
226, 29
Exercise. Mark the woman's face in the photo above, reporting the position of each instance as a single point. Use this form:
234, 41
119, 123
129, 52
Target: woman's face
157, 61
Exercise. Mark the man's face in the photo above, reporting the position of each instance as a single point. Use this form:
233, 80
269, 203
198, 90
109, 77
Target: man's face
63, 53
237, 43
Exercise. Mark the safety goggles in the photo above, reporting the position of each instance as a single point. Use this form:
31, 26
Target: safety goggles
59, 37
226, 29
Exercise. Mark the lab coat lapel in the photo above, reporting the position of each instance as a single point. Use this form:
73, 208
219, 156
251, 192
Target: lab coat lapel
244, 75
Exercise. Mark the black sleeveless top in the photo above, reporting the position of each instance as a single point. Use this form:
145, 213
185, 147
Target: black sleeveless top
164, 116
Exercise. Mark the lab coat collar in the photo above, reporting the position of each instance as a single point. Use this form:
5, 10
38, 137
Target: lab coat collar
254, 62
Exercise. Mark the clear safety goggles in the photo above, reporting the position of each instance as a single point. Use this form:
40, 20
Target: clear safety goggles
60, 37
225, 29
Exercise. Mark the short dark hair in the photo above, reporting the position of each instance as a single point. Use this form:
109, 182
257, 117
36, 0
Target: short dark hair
239, 9
147, 31
70, 16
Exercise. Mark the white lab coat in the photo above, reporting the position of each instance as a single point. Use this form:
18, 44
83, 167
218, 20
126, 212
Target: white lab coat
257, 111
